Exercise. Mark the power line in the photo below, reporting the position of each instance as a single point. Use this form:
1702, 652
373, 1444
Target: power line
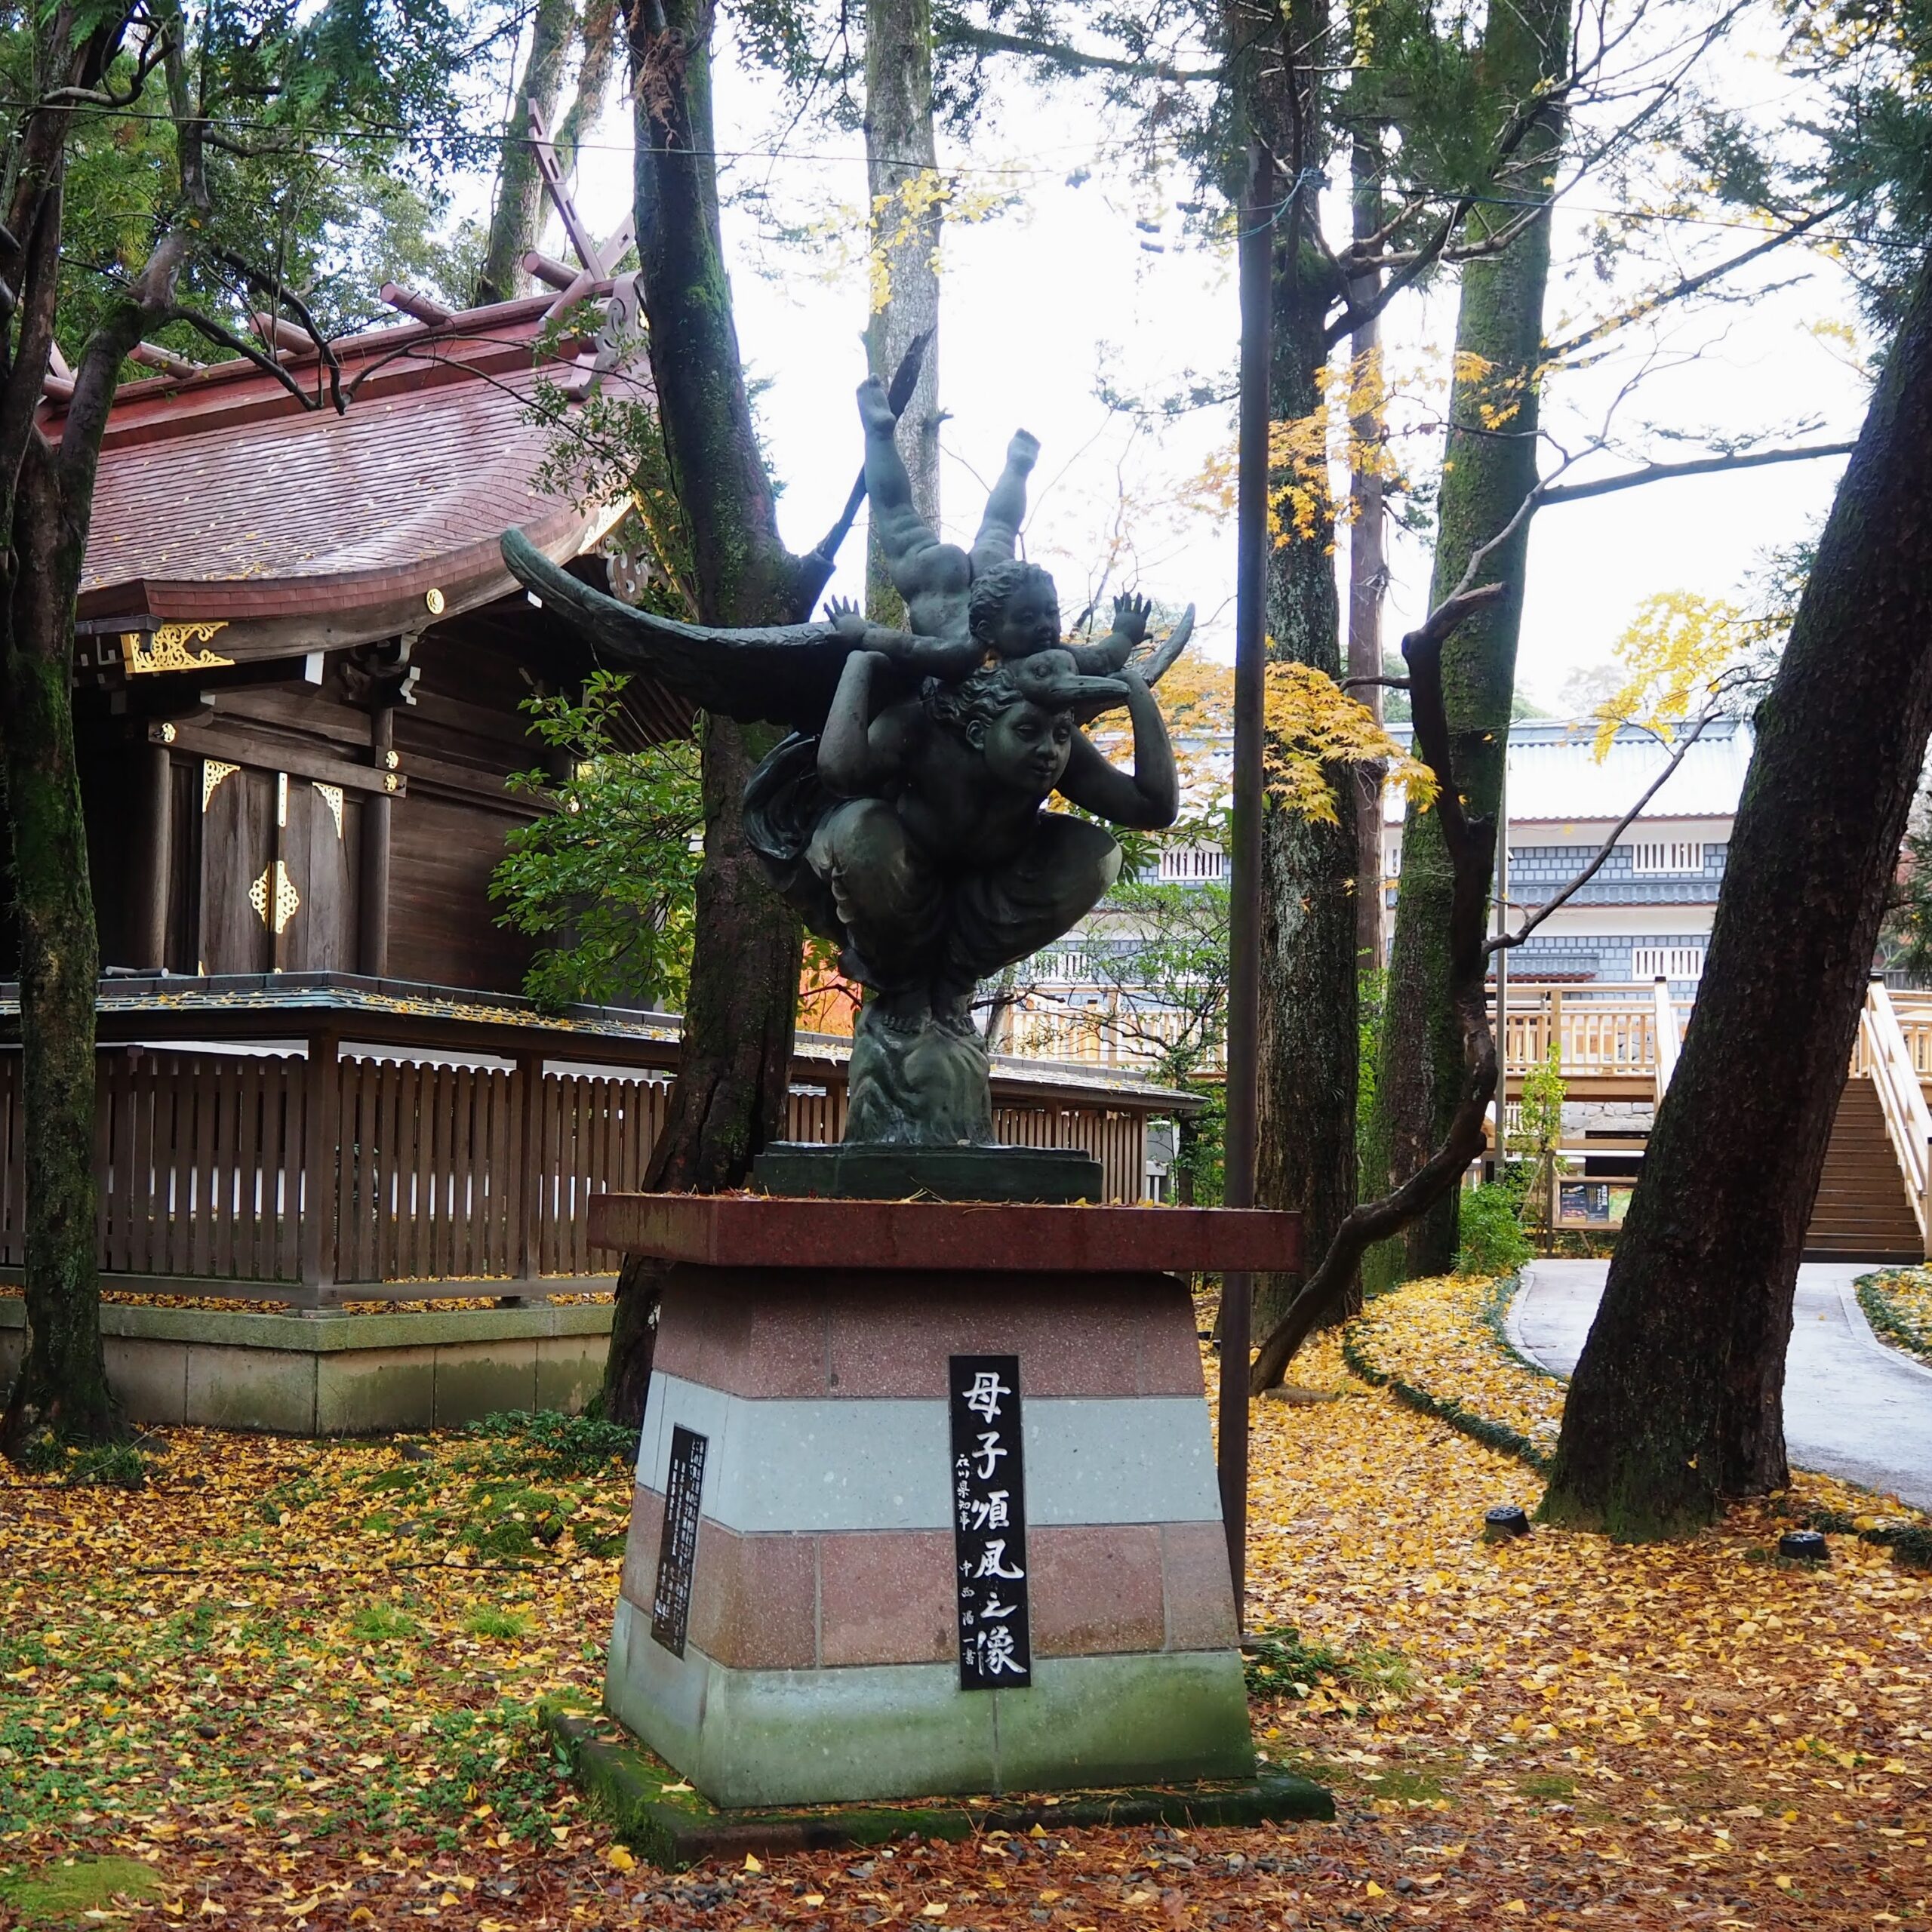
418, 137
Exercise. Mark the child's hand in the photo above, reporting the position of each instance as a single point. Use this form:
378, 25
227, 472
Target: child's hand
847, 618
1131, 614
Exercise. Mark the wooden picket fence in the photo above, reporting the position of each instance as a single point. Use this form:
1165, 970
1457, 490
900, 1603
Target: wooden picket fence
309, 1179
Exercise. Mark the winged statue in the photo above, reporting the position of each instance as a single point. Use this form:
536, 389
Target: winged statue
905, 816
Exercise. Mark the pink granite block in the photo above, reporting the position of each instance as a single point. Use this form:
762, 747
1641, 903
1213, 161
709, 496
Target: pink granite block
754, 1599
1076, 1335
886, 1596
1200, 1595
640, 1572
731, 1330
1096, 1588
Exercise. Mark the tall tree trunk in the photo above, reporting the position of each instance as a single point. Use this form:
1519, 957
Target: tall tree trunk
1306, 1136
739, 1016
517, 213
903, 176
597, 32
62, 1389
1677, 1399
1489, 467
1368, 568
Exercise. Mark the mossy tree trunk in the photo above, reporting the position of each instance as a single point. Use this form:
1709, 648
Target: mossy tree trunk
1304, 1139
740, 1015
517, 215
1677, 1400
902, 172
62, 1389
1489, 468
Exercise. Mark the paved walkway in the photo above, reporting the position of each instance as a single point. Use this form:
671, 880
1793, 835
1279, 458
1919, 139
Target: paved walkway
1853, 1408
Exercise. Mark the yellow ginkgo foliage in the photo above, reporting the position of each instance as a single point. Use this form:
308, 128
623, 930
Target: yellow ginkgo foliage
1673, 653
1313, 724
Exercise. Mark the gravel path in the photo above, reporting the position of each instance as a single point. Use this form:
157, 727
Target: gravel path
1853, 1408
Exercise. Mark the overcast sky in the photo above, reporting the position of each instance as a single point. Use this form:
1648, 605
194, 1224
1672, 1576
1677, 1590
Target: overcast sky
1037, 300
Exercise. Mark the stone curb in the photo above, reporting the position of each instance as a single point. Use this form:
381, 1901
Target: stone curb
658, 1814
330, 1331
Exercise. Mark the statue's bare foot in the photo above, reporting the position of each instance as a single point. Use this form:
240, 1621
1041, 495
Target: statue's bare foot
1022, 452
876, 410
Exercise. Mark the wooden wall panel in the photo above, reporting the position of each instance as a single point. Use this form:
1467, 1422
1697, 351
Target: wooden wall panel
442, 920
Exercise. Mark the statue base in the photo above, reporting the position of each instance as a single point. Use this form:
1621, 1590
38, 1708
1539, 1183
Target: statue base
880, 1171
876, 1431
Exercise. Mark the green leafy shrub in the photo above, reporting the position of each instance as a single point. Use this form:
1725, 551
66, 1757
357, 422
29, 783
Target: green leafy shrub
1274, 1661
553, 1444
1492, 1240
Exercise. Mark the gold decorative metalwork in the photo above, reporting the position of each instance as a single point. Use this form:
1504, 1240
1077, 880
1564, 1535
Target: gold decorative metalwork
332, 798
286, 901
433, 602
390, 781
167, 649
213, 772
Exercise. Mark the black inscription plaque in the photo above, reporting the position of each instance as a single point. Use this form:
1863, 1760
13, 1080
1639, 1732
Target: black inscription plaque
677, 1548
989, 1524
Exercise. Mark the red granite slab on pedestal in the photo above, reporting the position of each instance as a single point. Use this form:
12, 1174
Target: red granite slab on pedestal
774, 1230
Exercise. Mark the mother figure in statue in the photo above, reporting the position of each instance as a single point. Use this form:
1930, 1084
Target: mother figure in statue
903, 817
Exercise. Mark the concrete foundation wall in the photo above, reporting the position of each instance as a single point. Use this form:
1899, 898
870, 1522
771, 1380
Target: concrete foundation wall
335, 1374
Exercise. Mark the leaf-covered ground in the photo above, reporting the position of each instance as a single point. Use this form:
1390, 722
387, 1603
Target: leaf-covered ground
287, 1684
1898, 1303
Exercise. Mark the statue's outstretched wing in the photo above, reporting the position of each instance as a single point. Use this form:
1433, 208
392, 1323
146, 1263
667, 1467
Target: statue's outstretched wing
783, 675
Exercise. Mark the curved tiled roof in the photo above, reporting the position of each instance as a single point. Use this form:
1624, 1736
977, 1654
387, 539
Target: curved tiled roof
220, 498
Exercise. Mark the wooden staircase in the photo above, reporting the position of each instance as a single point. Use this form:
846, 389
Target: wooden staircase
1862, 1212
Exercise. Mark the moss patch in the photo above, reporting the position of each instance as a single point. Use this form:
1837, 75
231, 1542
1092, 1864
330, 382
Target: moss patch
62, 1895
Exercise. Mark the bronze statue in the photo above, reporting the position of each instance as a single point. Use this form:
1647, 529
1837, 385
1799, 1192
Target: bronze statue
903, 817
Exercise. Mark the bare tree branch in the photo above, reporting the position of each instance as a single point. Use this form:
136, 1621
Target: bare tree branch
1070, 60
1690, 284
1703, 465
1503, 941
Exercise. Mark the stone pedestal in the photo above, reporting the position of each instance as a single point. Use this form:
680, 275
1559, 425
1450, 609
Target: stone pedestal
807, 1348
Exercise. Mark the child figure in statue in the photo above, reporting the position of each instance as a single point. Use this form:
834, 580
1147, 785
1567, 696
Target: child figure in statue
968, 609
942, 865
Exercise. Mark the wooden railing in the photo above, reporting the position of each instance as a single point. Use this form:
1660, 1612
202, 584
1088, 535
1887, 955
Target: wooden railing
1599, 1030
1889, 1059
319, 1177
1665, 1034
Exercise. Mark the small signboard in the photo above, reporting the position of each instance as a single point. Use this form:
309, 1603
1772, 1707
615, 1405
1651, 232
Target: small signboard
677, 1548
989, 1524
1592, 1204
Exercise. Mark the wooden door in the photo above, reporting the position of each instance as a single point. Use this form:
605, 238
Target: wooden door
320, 841
241, 888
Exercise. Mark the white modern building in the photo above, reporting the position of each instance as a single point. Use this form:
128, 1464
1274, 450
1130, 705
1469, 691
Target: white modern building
1648, 914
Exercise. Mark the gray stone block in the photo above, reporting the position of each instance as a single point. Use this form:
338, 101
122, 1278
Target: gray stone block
373, 1391
475, 1379
570, 1370
267, 1388
151, 1378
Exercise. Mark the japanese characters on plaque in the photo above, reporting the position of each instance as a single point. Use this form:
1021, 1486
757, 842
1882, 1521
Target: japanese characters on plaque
677, 1548
989, 1524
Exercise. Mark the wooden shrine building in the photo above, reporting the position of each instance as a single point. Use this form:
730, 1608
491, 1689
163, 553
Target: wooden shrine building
301, 656
299, 670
